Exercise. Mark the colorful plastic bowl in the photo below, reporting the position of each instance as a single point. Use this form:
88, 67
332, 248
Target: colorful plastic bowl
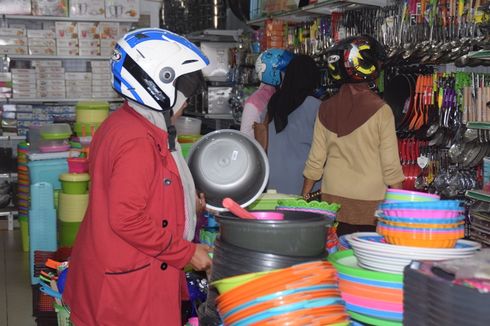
227, 284
411, 196
422, 213
421, 225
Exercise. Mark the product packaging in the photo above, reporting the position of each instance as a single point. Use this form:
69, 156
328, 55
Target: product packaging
88, 31
122, 9
66, 30
57, 8
87, 8
40, 34
12, 32
15, 7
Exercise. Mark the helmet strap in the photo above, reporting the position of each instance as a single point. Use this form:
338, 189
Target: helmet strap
172, 132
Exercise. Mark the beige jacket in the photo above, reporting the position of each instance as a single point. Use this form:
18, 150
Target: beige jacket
360, 165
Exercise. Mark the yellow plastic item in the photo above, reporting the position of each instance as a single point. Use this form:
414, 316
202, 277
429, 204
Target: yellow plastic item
72, 207
230, 283
75, 177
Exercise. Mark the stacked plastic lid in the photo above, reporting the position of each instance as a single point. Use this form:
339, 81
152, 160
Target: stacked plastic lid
374, 298
420, 220
304, 294
436, 296
321, 207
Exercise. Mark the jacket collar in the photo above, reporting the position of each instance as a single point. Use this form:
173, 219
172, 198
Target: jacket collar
158, 135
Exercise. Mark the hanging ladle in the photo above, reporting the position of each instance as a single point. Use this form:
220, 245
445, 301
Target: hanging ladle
241, 212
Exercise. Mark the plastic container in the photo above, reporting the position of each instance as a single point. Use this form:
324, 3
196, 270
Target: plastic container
42, 196
77, 165
74, 183
68, 233
24, 232
63, 315
91, 111
48, 171
188, 126
85, 129
72, 207
299, 234
55, 131
54, 146
34, 138
42, 234
229, 283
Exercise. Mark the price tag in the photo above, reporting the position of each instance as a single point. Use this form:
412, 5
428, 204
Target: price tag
422, 161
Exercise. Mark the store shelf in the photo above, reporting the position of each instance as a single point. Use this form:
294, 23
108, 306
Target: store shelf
56, 57
62, 100
225, 116
10, 176
72, 19
478, 125
12, 137
322, 8
478, 195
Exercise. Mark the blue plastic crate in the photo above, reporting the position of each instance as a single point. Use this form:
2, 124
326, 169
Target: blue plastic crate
42, 196
42, 234
47, 171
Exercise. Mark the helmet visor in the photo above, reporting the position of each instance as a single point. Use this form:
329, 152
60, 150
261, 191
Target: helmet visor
190, 84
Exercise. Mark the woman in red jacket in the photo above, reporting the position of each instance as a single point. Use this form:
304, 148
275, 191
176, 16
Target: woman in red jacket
127, 263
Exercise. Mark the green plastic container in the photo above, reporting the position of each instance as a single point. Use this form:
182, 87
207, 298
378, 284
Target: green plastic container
74, 183
68, 233
185, 149
24, 232
268, 201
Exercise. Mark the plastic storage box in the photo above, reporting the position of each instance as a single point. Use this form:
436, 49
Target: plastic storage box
91, 112
55, 131
47, 171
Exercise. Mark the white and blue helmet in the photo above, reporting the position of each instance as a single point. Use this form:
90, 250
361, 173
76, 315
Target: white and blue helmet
270, 64
150, 65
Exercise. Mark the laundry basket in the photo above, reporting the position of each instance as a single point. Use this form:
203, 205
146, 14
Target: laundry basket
63, 315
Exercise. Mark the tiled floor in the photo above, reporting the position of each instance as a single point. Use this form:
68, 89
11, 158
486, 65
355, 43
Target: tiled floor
15, 288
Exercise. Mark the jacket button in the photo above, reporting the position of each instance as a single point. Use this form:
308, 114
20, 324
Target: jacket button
167, 181
164, 223
163, 266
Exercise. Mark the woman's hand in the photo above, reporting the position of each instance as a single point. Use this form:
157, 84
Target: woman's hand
200, 261
200, 203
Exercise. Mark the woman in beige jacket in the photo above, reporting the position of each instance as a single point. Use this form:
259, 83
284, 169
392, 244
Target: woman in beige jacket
354, 147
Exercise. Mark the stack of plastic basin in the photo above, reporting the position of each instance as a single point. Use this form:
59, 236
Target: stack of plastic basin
73, 202
42, 222
23, 193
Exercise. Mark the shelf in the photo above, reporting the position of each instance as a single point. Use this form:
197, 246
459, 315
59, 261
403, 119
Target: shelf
63, 100
478, 195
12, 137
478, 125
224, 116
56, 57
318, 9
72, 19
10, 176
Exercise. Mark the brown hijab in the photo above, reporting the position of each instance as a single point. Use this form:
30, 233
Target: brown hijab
349, 109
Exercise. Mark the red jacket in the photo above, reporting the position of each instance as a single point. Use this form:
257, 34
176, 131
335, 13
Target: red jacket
126, 264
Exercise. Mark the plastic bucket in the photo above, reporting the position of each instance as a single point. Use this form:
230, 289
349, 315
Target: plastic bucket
68, 233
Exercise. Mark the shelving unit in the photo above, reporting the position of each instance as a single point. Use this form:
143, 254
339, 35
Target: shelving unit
71, 19
478, 195
56, 57
478, 125
10, 211
318, 9
62, 100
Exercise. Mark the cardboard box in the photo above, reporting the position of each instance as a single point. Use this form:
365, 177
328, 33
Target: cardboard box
106, 53
124, 28
101, 82
13, 41
57, 8
108, 30
101, 76
42, 70
19, 78
88, 43
42, 50
98, 64
87, 8
67, 43
50, 83
66, 30
122, 9
95, 51
108, 44
15, 7
79, 89
40, 34
73, 51
88, 30
13, 49
75, 83
57, 94
23, 71
78, 76
12, 32
102, 71
46, 63
53, 76
42, 42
